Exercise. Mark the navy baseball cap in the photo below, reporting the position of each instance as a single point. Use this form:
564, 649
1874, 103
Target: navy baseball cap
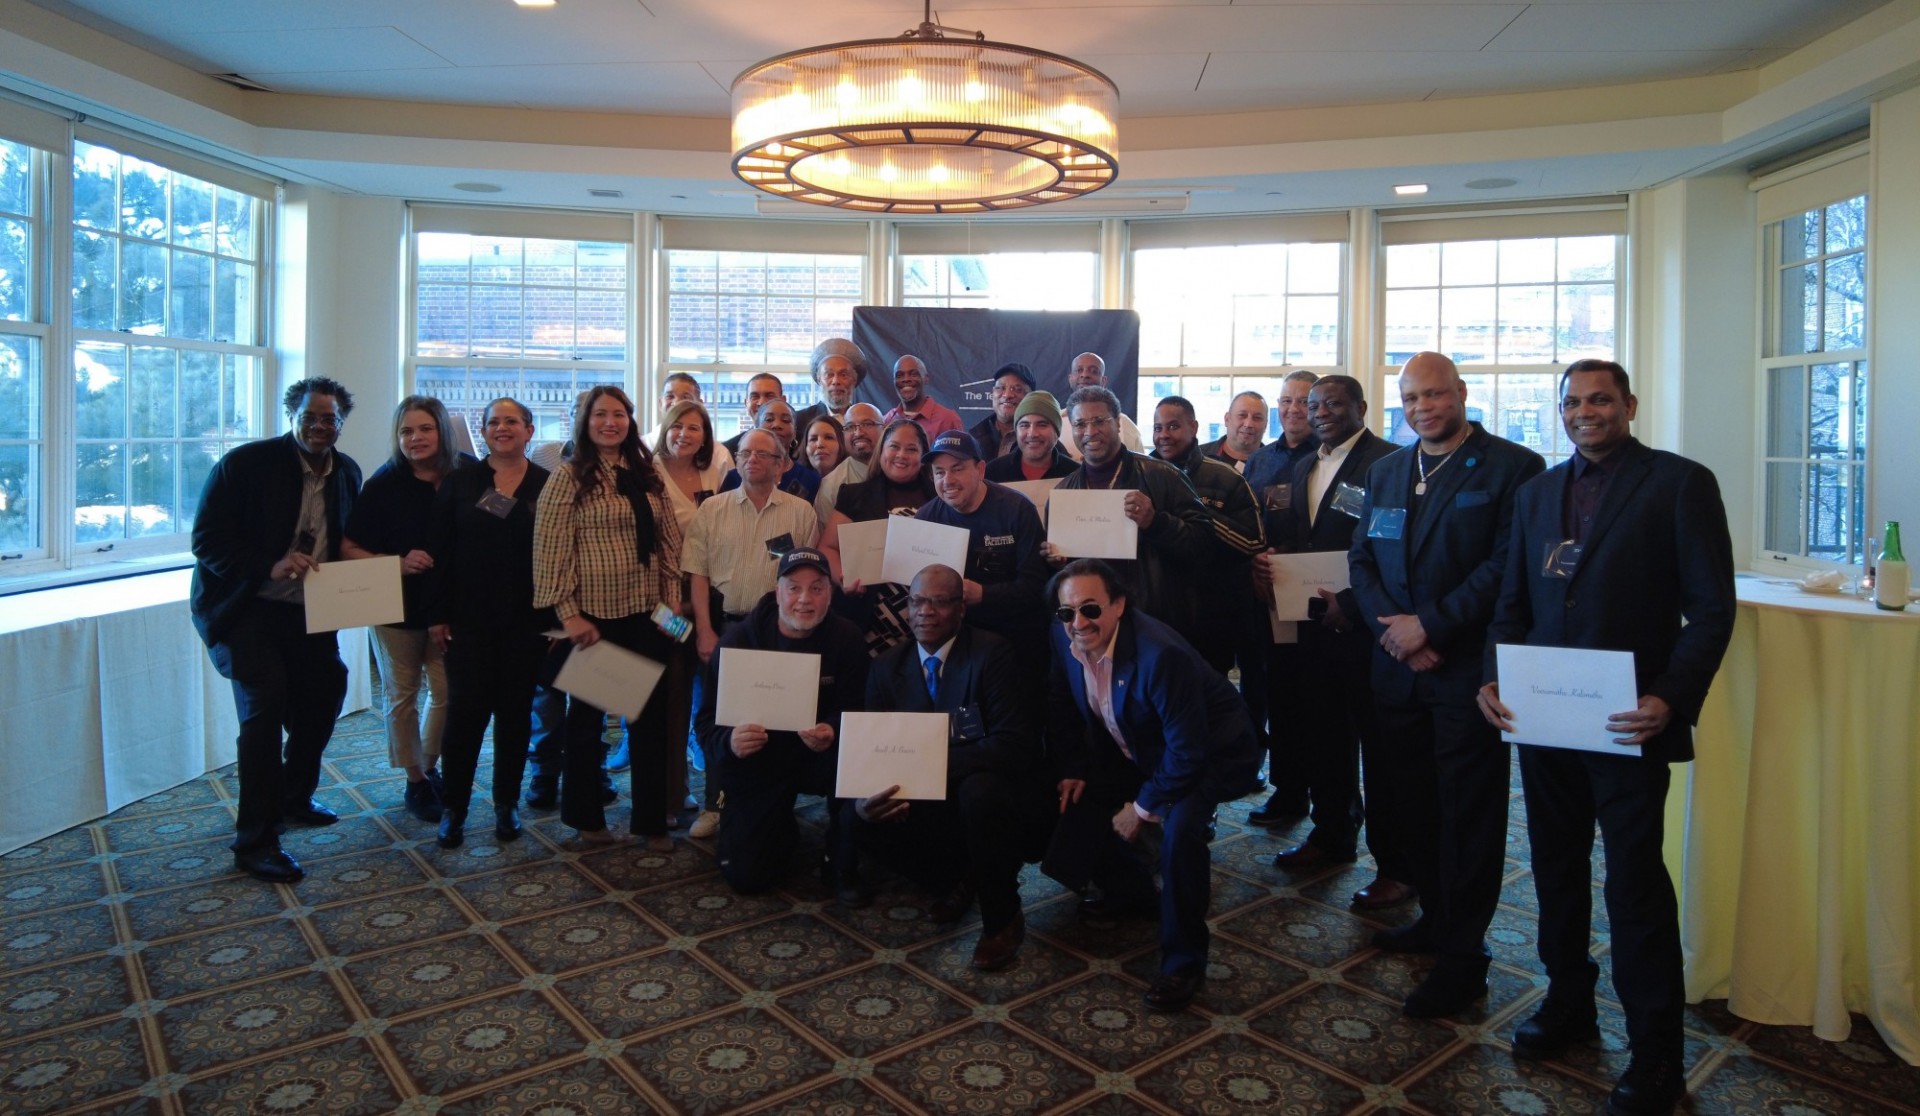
803, 556
959, 443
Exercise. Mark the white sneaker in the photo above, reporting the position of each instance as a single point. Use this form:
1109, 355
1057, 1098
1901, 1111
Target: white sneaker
706, 825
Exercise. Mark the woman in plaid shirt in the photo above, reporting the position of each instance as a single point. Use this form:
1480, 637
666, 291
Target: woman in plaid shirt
606, 550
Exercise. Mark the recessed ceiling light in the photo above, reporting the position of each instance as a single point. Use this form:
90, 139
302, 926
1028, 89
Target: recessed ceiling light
535, 3
477, 187
1492, 183
604, 193
1411, 189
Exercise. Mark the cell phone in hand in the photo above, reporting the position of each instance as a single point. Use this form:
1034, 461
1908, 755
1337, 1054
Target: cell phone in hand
672, 623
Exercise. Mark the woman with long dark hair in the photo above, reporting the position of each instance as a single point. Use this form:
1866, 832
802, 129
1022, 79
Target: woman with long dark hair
606, 552
484, 619
685, 456
898, 485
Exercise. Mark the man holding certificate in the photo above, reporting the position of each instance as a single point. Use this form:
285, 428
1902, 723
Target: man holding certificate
270, 513
1006, 575
766, 769
1426, 562
1611, 551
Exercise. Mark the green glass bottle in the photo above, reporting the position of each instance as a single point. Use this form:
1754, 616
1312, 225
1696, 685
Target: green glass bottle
1890, 577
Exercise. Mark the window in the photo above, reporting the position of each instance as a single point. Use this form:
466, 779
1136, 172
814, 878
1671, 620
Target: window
1512, 313
1815, 378
167, 361
536, 318
1002, 281
22, 466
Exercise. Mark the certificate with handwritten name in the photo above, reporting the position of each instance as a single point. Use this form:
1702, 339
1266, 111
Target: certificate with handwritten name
915, 544
1561, 697
1091, 523
881, 750
863, 551
777, 690
610, 677
1298, 579
357, 593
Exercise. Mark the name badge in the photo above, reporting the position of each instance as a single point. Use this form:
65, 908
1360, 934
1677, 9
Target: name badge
1278, 497
779, 545
1559, 559
1387, 523
1347, 499
496, 502
966, 724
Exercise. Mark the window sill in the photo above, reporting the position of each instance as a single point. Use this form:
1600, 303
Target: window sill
102, 571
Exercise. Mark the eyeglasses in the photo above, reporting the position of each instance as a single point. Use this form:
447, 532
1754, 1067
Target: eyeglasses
864, 424
1081, 425
757, 455
918, 603
307, 419
1089, 609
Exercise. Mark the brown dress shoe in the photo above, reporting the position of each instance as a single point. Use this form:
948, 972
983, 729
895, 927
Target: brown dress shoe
951, 907
1383, 892
997, 950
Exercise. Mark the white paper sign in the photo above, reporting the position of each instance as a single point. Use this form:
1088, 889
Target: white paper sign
610, 677
1035, 491
360, 593
1298, 578
881, 750
1561, 697
773, 689
1086, 523
863, 551
915, 544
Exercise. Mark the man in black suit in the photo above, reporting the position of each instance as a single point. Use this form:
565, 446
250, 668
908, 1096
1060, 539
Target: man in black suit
996, 809
1145, 732
271, 511
1612, 550
1426, 565
1336, 723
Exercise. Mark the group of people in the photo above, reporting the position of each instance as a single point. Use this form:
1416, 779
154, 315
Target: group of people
1089, 702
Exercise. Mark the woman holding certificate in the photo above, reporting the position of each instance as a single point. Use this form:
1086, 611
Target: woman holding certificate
685, 457
899, 486
483, 617
391, 517
606, 554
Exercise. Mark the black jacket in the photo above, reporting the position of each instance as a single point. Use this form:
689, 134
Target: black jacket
482, 572
1288, 530
1175, 550
249, 511
1006, 468
842, 648
978, 673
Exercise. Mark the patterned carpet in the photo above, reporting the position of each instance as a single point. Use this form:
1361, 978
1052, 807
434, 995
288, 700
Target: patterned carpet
139, 974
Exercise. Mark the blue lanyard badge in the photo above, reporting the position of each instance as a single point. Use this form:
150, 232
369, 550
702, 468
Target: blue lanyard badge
1387, 523
1559, 559
1347, 499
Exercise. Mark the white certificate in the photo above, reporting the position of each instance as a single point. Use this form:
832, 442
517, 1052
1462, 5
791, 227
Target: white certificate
915, 544
1035, 491
1298, 578
359, 593
1091, 523
1561, 697
863, 550
610, 677
773, 689
881, 750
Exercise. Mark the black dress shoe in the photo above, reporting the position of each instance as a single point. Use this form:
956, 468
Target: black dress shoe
952, 907
1557, 1025
506, 823
453, 827
540, 797
421, 801
853, 893
1277, 815
1383, 893
1107, 911
271, 865
1445, 992
1414, 937
1650, 1087
997, 950
1174, 991
1306, 856
309, 812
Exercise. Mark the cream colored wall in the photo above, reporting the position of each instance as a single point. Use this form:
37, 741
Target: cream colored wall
1893, 316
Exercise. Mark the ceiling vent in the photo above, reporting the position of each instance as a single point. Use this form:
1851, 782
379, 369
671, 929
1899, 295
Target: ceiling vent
241, 81
603, 193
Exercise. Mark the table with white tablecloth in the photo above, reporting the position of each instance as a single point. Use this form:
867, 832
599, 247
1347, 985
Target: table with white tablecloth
1794, 837
107, 695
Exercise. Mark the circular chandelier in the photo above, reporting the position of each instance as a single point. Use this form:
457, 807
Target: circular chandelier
925, 124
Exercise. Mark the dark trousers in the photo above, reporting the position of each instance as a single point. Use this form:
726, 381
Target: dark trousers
1447, 781
1287, 696
1251, 639
1567, 792
760, 831
549, 735
1333, 719
284, 681
586, 749
490, 676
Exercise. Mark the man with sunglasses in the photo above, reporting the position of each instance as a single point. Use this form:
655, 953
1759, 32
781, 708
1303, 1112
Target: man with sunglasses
1145, 733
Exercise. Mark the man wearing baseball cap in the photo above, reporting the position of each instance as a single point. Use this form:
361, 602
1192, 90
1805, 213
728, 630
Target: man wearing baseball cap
766, 770
1006, 575
995, 432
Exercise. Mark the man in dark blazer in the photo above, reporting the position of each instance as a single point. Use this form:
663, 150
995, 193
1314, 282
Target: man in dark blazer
1144, 732
271, 511
996, 814
1612, 550
1329, 488
1426, 565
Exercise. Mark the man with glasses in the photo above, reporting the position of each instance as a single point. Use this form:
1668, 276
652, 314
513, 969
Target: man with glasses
270, 513
995, 433
1145, 733
863, 428
839, 368
995, 813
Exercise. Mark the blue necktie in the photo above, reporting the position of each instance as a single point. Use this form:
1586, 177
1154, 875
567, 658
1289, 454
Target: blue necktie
933, 677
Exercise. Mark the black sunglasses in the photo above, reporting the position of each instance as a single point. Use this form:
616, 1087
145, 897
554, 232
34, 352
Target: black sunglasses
1064, 614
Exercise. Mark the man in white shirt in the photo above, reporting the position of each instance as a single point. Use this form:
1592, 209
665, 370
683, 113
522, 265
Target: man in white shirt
1246, 424
1090, 370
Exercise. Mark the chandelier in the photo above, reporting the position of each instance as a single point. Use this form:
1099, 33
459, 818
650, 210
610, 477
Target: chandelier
925, 124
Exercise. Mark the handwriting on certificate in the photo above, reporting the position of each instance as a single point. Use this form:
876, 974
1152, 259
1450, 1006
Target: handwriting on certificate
1298, 579
881, 750
1083, 523
1561, 697
777, 690
610, 677
915, 544
359, 593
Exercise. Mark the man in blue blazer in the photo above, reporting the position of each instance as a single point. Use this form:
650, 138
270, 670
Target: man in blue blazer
1426, 565
1144, 732
1612, 550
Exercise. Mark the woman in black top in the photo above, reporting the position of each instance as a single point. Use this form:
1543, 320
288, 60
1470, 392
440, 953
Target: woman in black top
483, 617
898, 485
390, 517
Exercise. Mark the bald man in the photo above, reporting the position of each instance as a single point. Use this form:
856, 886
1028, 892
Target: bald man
1428, 555
1090, 370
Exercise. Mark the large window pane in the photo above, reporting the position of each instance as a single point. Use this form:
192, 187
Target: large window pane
155, 499
191, 317
96, 187
1250, 305
1585, 322
440, 320
100, 493
1466, 324
16, 269
20, 448
233, 224
100, 390
1413, 324
549, 322
143, 287
1526, 330
1413, 265
19, 496
1787, 411
1844, 321
1469, 263
193, 213
496, 319
154, 388
16, 182
1527, 261
143, 198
